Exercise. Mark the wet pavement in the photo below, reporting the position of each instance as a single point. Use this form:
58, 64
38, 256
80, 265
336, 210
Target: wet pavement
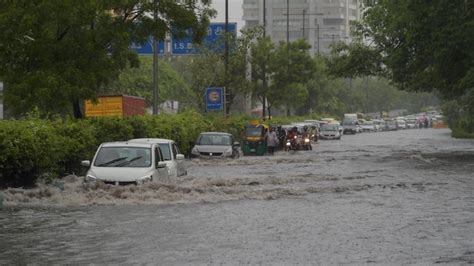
404, 197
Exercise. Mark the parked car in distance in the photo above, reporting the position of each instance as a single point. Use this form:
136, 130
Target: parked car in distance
379, 124
401, 124
391, 124
350, 126
126, 163
215, 145
411, 122
173, 158
368, 126
331, 131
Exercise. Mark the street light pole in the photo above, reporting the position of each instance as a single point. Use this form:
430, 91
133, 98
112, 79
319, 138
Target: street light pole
226, 55
317, 30
304, 15
155, 64
287, 22
264, 70
264, 18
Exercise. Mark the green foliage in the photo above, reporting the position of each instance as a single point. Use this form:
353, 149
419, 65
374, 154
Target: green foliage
111, 129
56, 53
354, 60
34, 148
78, 142
30, 149
137, 81
459, 115
425, 45
292, 67
208, 69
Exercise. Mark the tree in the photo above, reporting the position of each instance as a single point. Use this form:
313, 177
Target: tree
207, 69
56, 53
292, 68
261, 60
315, 85
426, 45
138, 81
354, 60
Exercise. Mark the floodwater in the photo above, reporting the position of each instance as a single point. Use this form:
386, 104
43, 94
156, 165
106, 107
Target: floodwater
404, 197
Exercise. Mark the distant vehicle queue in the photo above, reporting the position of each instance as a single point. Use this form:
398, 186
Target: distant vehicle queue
138, 161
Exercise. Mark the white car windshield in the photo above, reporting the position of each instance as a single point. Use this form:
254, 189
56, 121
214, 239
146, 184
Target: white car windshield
165, 149
215, 139
123, 157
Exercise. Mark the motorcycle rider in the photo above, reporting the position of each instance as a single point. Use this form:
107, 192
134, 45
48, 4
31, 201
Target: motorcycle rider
291, 136
306, 135
281, 133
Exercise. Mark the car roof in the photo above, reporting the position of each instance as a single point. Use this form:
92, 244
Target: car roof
215, 133
151, 140
126, 144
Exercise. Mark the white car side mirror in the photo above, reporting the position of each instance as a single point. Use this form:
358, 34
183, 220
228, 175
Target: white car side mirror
86, 163
180, 157
161, 164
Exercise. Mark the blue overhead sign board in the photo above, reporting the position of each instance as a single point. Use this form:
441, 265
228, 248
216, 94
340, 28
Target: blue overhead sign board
215, 98
214, 32
146, 47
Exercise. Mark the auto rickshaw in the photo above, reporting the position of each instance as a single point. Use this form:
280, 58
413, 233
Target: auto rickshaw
254, 142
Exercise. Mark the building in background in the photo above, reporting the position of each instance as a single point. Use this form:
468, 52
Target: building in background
320, 22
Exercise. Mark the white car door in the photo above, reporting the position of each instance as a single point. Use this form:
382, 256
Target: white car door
161, 173
179, 159
169, 159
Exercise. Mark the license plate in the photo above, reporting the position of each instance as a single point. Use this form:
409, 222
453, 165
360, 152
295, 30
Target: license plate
252, 150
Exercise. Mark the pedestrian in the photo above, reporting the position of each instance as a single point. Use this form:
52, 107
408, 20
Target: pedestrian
272, 140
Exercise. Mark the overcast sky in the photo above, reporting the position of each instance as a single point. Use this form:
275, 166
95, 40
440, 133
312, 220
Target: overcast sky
235, 11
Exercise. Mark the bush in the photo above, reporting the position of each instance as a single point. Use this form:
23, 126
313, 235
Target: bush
111, 129
459, 116
35, 148
79, 144
30, 149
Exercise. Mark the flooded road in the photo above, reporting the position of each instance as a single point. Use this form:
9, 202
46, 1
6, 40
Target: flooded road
390, 197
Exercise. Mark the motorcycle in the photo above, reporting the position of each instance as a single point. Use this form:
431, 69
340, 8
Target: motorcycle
307, 144
291, 144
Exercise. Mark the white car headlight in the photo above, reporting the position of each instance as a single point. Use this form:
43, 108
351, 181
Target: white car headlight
195, 151
143, 179
228, 152
90, 178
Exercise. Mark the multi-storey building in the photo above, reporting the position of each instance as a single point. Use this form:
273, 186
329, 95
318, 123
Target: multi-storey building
320, 22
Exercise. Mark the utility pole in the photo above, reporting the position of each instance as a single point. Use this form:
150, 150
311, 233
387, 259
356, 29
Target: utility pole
226, 55
304, 18
155, 63
264, 70
317, 32
264, 17
287, 22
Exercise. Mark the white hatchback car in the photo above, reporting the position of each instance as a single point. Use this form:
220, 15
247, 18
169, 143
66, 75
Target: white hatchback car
173, 158
126, 163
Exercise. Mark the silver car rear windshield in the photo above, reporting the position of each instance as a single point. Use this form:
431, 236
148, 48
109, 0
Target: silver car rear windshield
219, 140
123, 157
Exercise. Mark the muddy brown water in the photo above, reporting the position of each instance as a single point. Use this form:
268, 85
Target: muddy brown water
391, 197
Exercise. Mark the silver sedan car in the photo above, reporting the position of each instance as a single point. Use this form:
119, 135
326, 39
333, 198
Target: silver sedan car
215, 145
